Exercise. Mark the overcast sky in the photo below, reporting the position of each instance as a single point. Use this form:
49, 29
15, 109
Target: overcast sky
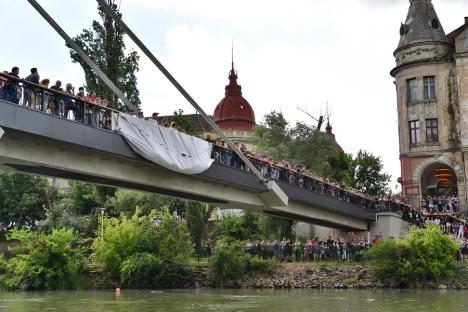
288, 54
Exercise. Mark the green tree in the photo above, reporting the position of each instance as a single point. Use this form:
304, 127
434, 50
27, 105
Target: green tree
273, 136
302, 144
62, 214
104, 44
340, 167
123, 237
197, 215
425, 255
367, 176
185, 123
45, 261
23, 199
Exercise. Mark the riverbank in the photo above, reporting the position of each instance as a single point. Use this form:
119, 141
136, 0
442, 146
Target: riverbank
326, 276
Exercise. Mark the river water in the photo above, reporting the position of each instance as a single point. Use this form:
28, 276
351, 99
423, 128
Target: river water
237, 300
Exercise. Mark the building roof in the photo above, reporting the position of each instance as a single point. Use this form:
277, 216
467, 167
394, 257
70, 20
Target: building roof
421, 25
454, 34
234, 112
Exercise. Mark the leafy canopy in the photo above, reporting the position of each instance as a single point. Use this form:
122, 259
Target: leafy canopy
45, 261
104, 44
23, 199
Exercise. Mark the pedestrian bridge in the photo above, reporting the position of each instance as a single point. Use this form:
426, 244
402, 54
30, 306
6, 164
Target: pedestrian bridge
36, 142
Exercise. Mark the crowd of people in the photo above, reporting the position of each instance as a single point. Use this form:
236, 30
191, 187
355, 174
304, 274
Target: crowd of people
284, 171
36, 93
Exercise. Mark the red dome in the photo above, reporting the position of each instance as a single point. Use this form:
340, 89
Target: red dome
234, 112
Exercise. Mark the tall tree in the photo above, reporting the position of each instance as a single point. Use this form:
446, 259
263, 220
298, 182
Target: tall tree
104, 44
367, 174
301, 144
23, 199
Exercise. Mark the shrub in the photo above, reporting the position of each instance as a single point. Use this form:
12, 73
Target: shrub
139, 270
128, 247
145, 270
228, 264
225, 264
424, 255
45, 261
258, 265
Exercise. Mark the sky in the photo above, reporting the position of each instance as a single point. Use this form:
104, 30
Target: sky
321, 56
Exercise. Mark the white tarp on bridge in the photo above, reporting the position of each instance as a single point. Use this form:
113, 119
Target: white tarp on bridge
165, 146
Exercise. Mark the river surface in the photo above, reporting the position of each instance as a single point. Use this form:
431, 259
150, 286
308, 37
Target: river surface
238, 300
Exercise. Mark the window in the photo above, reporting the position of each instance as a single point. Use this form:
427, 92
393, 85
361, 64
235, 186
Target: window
415, 137
429, 88
412, 90
432, 130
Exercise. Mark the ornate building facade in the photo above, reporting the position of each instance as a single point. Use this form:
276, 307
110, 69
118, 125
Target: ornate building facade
431, 79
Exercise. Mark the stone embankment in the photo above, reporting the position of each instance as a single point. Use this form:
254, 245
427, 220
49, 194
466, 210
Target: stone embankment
340, 276
353, 276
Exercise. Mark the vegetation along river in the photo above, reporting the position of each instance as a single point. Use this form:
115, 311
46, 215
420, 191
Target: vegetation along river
237, 300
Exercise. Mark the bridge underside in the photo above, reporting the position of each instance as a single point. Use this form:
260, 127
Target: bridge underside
41, 144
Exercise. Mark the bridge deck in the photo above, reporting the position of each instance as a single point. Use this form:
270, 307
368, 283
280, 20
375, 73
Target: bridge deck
24, 122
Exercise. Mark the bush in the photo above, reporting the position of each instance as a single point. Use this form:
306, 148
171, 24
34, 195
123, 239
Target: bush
139, 270
425, 255
44, 261
145, 270
130, 248
228, 264
256, 264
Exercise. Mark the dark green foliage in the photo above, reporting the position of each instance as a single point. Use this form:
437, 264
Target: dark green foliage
45, 261
275, 228
252, 226
83, 197
425, 255
123, 238
317, 151
186, 124
145, 270
127, 201
104, 44
367, 175
236, 227
23, 199
228, 264
62, 214
301, 145
340, 167
197, 215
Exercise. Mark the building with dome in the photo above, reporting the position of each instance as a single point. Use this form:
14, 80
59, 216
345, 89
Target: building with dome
431, 79
233, 114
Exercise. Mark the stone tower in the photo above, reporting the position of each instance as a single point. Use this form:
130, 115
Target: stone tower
431, 97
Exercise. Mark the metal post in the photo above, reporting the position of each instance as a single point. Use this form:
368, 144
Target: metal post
176, 84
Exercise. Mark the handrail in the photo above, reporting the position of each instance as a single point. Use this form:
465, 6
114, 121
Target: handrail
59, 93
346, 195
269, 171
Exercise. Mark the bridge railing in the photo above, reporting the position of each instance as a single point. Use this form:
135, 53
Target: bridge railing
61, 104
78, 109
226, 157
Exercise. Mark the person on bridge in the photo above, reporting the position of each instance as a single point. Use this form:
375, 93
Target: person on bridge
11, 88
29, 91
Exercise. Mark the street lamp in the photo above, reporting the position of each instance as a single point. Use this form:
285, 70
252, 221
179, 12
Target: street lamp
103, 210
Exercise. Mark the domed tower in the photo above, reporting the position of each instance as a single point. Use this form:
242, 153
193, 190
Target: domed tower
233, 114
428, 112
